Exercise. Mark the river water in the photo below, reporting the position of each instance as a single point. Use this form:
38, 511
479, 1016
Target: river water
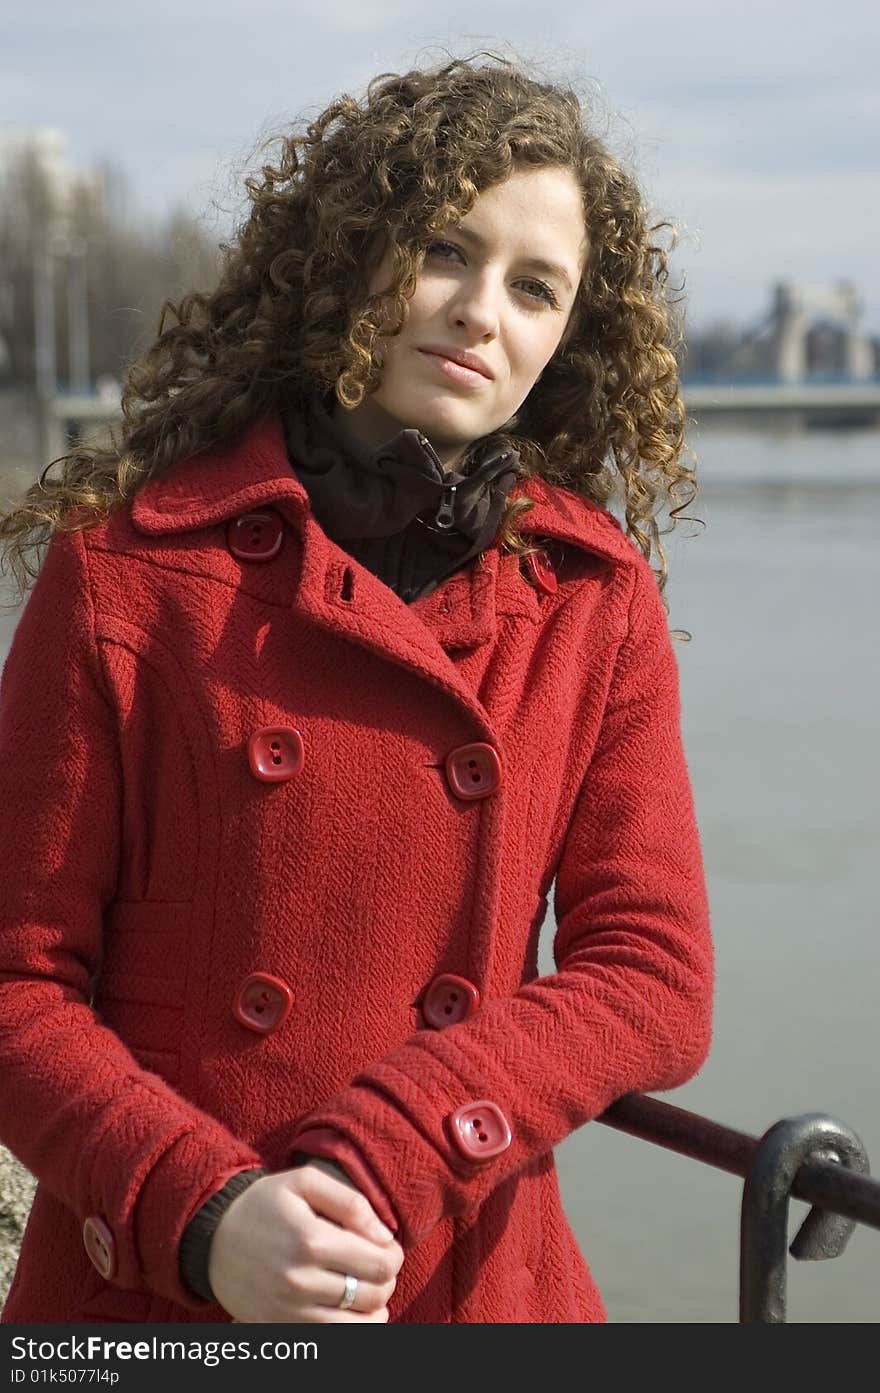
781, 718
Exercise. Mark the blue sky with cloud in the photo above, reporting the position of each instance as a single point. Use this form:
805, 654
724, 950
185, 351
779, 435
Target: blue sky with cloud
753, 126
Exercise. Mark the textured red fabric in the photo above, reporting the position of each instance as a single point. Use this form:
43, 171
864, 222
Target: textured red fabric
146, 873
324, 1142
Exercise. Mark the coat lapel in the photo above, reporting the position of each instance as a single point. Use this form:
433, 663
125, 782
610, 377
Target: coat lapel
337, 593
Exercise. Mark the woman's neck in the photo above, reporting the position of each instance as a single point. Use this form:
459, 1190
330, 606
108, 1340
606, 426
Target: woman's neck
372, 426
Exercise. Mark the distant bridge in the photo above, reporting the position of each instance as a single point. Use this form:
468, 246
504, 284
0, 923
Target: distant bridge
782, 333
846, 392
807, 403
713, 403
797, 307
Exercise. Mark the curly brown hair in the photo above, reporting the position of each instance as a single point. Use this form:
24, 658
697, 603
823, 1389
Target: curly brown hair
291, 313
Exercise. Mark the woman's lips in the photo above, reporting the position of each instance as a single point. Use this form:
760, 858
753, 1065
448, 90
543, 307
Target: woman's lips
456, 372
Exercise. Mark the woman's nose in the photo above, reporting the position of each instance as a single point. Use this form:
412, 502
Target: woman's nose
476, 308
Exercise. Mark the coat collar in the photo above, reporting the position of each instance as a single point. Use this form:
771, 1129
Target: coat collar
333, 592
219, 485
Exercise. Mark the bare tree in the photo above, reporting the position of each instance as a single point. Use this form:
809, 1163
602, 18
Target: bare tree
103, 270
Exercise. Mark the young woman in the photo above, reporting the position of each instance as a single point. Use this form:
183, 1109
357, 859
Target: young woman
334, 664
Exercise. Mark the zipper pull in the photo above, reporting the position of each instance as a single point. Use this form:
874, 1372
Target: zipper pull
445, 516
445, 519
430, 452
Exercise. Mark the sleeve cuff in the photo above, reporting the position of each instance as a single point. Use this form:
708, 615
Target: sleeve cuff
333, 1146
195, 1246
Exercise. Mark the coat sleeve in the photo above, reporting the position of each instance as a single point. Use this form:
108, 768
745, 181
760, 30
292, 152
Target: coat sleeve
629, 1006
109, 1139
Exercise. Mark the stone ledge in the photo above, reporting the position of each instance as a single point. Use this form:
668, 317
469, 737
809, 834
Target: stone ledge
17, 1187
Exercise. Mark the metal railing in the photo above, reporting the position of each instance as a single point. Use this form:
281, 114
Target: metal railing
812, 1157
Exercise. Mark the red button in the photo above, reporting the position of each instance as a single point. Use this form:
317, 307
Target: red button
539, 568
255, 536
100, 1245
263, 1003
480, 1130
473, 771
448, 1000
275, 753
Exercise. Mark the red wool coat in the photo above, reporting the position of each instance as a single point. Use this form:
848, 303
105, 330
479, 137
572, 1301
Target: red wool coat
276, 851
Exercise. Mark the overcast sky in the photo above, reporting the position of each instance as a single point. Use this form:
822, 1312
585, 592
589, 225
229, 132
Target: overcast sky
753, 126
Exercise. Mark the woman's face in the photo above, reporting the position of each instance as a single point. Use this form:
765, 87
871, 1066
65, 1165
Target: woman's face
497, 288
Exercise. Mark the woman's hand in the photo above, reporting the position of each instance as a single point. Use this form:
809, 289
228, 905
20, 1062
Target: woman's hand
282, 1250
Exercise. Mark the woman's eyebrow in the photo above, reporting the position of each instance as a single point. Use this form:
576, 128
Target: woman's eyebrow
538, 263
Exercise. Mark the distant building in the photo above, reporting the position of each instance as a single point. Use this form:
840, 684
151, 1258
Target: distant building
48, 148
42, 255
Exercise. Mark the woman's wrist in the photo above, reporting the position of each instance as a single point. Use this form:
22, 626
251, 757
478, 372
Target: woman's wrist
195, 1245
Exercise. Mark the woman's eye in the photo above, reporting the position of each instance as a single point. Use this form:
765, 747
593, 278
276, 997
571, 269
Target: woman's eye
540, 291
443, 250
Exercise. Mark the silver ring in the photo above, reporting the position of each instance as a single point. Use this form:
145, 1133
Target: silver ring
350, 1292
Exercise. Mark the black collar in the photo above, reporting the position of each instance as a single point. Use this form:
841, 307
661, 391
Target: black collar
392, 506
